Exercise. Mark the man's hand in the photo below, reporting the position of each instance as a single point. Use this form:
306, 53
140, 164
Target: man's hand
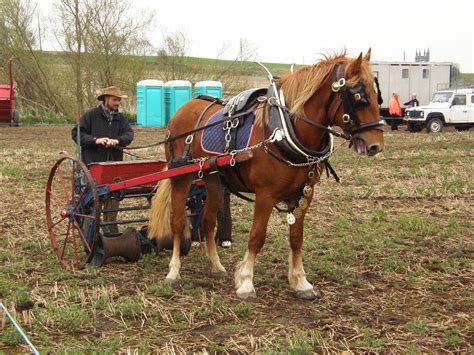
102, 141
112, 143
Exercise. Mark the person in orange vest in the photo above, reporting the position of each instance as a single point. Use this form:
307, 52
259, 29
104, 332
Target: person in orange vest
394, 109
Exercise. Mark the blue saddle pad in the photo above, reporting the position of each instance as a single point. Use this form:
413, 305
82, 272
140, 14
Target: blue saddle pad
213, 141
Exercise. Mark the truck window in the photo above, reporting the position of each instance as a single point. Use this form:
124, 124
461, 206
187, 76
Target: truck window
459, 100
472, 99
426, 73
441, 97
404, 73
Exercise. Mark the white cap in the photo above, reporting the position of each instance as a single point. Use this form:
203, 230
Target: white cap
150, 82
174, 83
207, 83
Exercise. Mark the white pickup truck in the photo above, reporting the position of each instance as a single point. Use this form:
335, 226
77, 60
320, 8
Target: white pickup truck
447, 108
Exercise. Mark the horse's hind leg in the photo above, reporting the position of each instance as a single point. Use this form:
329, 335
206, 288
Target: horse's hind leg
179, 193
296, 274
244, 272
214, 199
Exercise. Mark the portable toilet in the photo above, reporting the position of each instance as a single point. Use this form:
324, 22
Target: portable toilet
208, 87
177, 93
150, 103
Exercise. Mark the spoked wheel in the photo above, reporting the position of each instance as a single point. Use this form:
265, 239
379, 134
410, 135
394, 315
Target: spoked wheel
72, 212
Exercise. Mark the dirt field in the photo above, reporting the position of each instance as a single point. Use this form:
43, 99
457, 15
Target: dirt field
390, 248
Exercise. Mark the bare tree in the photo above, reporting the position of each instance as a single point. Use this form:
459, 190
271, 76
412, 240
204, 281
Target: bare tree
172, 56
113, 36
19, 39
71, 34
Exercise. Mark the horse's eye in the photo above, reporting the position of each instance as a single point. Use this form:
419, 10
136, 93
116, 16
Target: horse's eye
375, 88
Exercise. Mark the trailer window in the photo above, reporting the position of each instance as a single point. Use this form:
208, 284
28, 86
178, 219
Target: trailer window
404, 73
441, 96
426, 73
472, 99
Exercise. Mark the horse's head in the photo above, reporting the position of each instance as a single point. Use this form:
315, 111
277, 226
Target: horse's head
353, 104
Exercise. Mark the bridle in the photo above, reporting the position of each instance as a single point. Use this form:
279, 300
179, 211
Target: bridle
351, 98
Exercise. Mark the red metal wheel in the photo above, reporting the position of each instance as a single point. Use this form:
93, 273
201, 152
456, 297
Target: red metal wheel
72, 212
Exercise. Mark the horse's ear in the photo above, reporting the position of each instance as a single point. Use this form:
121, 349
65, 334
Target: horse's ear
354, 66
367, 55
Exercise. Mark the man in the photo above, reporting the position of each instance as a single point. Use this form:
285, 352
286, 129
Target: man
413, 102
103, 128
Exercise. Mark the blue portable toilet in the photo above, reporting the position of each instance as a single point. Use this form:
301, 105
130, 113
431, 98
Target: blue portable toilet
177, 93
208, 87
150, 103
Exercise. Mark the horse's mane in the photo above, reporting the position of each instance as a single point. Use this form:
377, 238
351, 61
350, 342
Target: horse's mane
300, 86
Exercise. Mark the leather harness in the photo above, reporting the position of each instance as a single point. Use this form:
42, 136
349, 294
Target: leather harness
292, 152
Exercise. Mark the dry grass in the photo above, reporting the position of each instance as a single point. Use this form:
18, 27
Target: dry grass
390, 248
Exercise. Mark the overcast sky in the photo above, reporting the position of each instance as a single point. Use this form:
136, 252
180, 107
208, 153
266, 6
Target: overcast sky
297, 31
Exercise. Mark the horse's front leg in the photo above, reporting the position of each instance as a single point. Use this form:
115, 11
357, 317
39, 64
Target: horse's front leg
296, 274
244, 272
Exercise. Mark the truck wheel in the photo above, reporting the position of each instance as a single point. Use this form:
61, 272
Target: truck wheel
435, 125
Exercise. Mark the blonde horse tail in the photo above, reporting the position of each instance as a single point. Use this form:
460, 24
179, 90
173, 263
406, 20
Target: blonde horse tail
159, 225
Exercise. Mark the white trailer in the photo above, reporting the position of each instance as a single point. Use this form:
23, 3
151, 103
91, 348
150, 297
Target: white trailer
405, 78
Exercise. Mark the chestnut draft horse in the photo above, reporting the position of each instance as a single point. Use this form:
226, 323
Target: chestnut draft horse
336, 91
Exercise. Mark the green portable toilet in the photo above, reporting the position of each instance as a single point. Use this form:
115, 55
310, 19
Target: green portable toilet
208, 87
150, 103
177, 93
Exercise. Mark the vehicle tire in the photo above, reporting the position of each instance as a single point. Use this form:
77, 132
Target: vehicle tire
462, 128
435, 125
413, 128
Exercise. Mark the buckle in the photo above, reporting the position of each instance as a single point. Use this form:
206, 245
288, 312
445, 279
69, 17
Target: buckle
337, 85
346, 118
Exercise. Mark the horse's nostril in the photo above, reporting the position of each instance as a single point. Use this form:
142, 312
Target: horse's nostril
374, 149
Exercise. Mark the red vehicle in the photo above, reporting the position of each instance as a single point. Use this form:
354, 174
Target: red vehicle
8, 115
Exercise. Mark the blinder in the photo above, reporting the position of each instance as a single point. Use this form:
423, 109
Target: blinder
352, 98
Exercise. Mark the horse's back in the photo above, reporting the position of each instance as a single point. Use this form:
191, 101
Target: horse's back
186, 117
185, 120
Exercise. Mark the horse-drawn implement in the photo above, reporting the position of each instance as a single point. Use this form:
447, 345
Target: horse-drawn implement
79, 202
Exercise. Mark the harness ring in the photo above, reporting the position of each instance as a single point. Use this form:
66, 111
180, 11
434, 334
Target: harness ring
189, 139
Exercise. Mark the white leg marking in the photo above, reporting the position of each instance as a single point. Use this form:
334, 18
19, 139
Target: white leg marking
175, 265
296, 275
216, 266
244, 277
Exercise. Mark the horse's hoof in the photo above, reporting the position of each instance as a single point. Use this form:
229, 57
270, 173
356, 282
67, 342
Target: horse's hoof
310, 294
174, 284
247, 296
219, 275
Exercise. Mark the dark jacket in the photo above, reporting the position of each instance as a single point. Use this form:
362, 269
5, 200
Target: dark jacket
95, 124
412, 103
